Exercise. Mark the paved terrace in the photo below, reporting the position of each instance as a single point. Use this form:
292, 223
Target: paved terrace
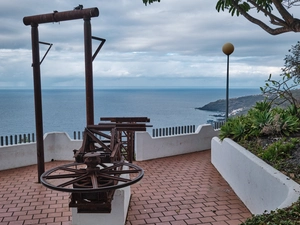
176, 190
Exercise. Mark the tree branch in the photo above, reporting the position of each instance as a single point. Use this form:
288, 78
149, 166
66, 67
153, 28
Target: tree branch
283, 12
265, 27
270, 15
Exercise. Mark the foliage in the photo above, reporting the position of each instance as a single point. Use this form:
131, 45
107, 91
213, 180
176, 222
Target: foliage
261, 120
150, 1
279, 150
290, 79
281, 18
287, 216
231, 7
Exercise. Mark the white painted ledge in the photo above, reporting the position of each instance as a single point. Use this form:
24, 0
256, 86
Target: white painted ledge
147, 147
258, 185
57, 146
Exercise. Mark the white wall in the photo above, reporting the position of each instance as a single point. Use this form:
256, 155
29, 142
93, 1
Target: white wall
257, 184
57, 146
147, 147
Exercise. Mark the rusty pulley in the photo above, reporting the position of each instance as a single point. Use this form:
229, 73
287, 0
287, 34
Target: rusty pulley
92, 175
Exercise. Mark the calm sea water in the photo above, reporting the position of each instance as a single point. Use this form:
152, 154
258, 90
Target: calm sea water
64, 110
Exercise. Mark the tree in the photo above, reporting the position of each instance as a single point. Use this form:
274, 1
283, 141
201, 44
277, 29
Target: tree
150, 1
283, 90
284, 22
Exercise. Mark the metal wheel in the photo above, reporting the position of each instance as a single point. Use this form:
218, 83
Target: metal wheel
91, 176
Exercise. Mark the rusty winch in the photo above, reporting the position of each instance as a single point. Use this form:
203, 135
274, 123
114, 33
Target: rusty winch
101, 166
104, 161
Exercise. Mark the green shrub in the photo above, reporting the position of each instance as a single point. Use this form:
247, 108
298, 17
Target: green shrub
279, 150
287, 216
262, 120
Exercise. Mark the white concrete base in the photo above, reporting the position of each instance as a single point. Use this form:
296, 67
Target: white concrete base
120, 204
118, 214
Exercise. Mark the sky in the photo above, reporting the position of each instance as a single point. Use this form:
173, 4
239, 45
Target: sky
173, 43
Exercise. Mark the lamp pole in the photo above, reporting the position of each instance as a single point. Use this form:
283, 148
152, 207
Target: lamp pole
227, 49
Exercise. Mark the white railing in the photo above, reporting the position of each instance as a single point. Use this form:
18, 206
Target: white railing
59, 146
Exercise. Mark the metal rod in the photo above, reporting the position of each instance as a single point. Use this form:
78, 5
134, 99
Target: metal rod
50, 45
88, 72
37, 99
227, 89
99, 47
61, 16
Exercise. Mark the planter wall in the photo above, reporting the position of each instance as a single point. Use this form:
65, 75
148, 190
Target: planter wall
258, 185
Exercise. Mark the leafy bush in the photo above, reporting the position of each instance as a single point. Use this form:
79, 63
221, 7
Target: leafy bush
262, 120
279, 150
287, 216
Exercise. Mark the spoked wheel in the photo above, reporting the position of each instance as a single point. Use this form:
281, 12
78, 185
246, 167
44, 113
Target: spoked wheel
91, 176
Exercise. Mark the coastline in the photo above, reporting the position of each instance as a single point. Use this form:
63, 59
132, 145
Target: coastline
237, 105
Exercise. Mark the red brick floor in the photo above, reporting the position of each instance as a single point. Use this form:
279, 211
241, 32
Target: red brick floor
177, 190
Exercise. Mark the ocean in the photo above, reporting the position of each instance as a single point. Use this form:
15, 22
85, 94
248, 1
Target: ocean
64, 110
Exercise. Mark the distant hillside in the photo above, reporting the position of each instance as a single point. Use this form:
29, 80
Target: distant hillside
243, 103
240, 104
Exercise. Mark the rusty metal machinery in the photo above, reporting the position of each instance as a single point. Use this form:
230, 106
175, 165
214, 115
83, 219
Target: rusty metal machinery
103, 163
100, 167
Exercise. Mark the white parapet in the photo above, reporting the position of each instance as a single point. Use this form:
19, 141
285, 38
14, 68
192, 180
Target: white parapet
147, 147
260, 186
57, 146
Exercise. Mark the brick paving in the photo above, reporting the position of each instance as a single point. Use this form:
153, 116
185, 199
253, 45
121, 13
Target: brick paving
176, 190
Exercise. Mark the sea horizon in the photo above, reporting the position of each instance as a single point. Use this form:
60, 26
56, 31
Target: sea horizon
64, 109
128, 88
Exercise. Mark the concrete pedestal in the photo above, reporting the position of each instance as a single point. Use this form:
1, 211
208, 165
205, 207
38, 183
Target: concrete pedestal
119, 209
120, 204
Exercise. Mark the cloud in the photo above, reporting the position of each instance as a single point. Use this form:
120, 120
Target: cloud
172, 43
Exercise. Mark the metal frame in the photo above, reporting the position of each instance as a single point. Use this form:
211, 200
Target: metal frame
34, 21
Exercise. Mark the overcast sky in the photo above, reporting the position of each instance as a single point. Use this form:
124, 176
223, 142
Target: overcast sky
175, 43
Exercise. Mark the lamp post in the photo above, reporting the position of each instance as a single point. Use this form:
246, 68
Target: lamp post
227, 49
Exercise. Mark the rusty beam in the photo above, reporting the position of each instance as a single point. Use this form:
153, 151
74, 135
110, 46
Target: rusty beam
61, 16
37, 99
88, 71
